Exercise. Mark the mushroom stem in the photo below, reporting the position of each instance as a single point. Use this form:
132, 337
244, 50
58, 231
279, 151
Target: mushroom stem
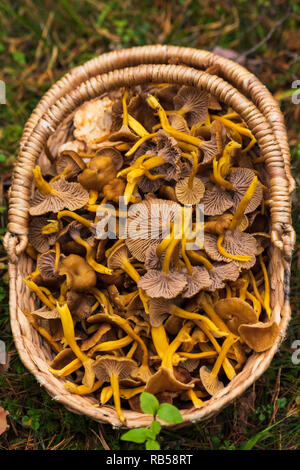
68, 369
229, 341
242, 130
114, 381
66, 172
99, 268
82, 389
154, 104
180, 312
197, 402
111, 345
223, 252
55, 346
69, 334
57, 257
73, 215
199, 259
139, 143
181, 336
136, 126
201, 355
42, 185
267, 287
168, 256
51, 227
255, 288
243, 204
185, 258
93, 196
36, 289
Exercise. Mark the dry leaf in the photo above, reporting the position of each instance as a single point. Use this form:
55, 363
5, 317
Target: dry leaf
3, 423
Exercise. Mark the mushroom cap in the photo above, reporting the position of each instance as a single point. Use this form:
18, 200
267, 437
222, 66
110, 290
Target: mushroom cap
148, 223
241, 179
114, 154
152, 261
259, 336
158, 311
113, 190
45, 263
211, 248
167, 147
165, 95
211, 384
199, 280
101, 170
241, 243
222, 272
69, 158
40, 242
194, 102
173, 324
106, 365
46, 314
179, 123
236, 311
215, 146
62, 359
98, 337
216, 201
79, 305
187, 195
117, 257
159, 284
69, 196
79, 274
164, 380
124, 134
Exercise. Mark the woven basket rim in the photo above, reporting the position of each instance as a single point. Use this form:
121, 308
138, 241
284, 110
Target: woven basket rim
42, 128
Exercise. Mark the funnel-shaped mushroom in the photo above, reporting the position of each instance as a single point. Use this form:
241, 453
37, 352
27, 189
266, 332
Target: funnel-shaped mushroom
164, 379
259, 336
111, 369
197, 280
53, 197
235, 312
241, 178
42, 233
79, 274
214, 147
101, 170
68, 163
192, 103
49, 265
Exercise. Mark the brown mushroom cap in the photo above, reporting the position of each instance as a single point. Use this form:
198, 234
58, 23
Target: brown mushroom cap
46, 262
106, 365
79, 305
199, 280
179, 123
79, 274
241, 179
151, 220
113, 153
236, 311
98, 337
69, 196
222, 272
40, 242
187, 195
259, 336
194, 102
159, 284
164, 380
113, 190
158, 311
216, 201
70, 159
241, 243
215, 146
117, 257
99, 173
62, 359
211, 384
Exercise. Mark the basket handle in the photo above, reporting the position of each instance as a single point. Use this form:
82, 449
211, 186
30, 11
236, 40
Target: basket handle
234, 73
282, 231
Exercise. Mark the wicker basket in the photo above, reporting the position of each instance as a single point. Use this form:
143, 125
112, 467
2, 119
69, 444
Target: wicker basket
234, 86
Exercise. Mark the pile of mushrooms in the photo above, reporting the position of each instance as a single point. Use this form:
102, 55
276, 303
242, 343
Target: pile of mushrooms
126, 314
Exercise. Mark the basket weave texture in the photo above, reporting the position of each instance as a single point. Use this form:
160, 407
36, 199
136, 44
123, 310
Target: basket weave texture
234, 86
